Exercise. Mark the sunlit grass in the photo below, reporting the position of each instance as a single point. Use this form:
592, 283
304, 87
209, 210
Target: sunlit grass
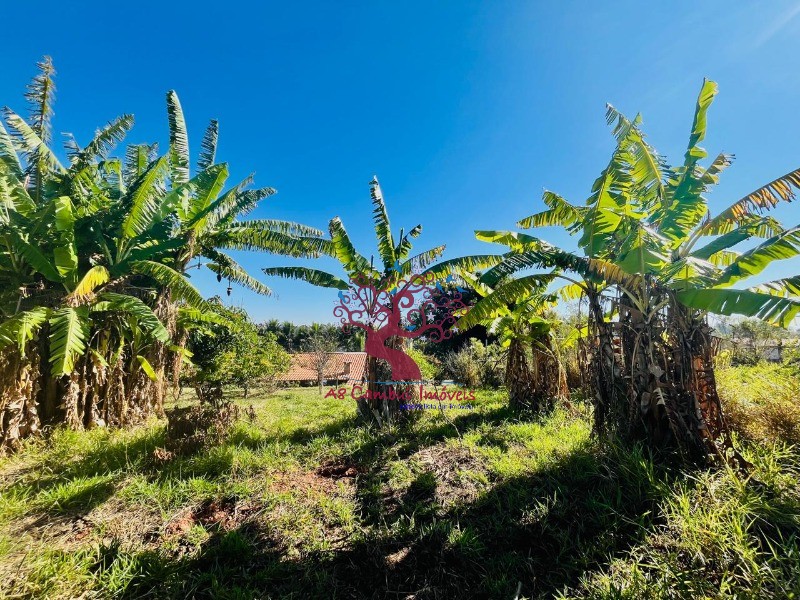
761, 401
478, 500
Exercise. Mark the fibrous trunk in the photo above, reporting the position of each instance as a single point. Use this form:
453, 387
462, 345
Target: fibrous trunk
385, 401
653, 376
548, 377
604, 372
106, 387
18, 387
694, 349
518, 377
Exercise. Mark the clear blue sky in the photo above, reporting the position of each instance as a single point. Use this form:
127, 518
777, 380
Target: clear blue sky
464, 110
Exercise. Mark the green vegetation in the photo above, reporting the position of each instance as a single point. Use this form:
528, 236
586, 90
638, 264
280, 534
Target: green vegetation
595, 460
519, 311
652, 263
396, 265
95, 300
302, 502
235, 353
294, 338
761, 401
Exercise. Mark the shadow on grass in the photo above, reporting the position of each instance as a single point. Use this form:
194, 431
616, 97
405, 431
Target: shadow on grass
401, 441
77, 486
544, 530
405, 440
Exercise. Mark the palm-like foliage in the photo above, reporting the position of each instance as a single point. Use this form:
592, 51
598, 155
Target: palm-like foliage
661, 214
396, 263
396, 260
95, 251
63, 252
651, 253
208, 214
648, 218
519, 312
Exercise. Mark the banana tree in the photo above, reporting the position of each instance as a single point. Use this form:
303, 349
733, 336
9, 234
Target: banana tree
519, 312
397, 266
666, 218
62, 282
644, 220
584, 278
208, 216
73, 308
93, 265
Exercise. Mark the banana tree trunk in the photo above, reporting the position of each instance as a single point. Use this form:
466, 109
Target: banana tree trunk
658, 386
380, 405
650, 407
706, 434
18, 391
103, 388
146, 396
605, 374
518, 377
177, 360
549, 380
114, 398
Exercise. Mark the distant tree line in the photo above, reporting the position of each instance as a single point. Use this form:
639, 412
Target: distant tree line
297, 338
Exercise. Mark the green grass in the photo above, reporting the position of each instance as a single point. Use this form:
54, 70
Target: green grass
302, 503
761, 401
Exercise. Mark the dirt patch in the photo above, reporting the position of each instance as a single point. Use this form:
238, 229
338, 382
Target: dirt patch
225, 514
301, 514
457, 473
18, 470
311, 481
61, 532
443, 477
337, 470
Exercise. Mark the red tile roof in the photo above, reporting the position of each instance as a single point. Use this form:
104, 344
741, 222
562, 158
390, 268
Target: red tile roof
341, 365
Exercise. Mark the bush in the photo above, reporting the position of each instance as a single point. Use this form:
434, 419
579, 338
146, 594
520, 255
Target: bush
791, 355
492, 358
475, 365
233, 354
462, 367
192, 428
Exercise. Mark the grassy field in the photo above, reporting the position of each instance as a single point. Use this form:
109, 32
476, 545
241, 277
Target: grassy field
299, 502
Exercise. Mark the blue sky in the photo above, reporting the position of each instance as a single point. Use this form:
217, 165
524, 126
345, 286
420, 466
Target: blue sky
464, 110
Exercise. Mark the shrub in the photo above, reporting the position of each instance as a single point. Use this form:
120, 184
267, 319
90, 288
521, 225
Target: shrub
475, 365
492, 358
192, 428
462, 367
791, 355
233, 354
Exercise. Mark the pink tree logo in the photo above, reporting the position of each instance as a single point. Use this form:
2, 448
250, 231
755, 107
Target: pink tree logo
415, 306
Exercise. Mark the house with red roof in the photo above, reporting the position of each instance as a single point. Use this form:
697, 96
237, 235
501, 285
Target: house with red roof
341, 367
